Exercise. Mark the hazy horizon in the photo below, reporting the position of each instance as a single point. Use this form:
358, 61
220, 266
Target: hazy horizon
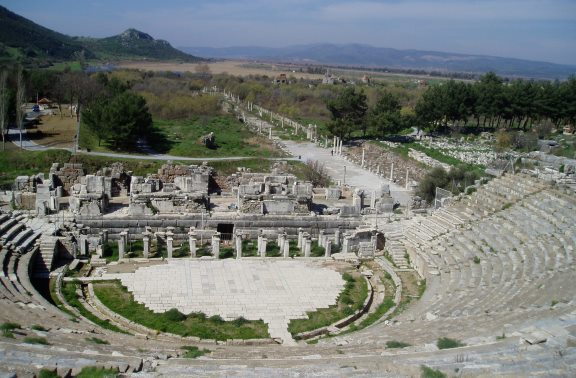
530, 29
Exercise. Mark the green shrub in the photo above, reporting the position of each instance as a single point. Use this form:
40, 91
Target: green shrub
428, 372
194, 352
174, 315
7, 328
96, 340
447, 343
393, 344
97, 372
476, 260
36, 340
45, 373
37, 327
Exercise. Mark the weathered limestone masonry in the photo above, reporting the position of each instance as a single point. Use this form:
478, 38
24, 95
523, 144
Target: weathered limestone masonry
175, 189
258, 193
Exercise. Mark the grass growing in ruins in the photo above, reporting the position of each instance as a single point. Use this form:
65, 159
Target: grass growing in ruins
350, 300
97, 340
316, 250
14, 163
97, 372
36, 340
393, 344
428, 372
194, 351
118, 299
182, 138
45, 373
37, 327
447, 343
7, 328
69, 293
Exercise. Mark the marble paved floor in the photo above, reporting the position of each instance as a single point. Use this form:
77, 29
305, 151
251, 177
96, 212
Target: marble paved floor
272, 290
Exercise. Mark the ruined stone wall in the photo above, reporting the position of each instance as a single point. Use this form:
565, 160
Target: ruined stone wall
66, 176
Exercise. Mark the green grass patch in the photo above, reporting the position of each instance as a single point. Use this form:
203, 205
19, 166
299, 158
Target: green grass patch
393, 344
232, 138
69, 293
447, 343
36, 340
45, 373
15, 162
118, 299
194, 351
97, 372
7, 329
97, 340
37, 327
350, 300
428, 372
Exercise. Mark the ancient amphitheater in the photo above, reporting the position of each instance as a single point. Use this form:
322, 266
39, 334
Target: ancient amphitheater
499, 266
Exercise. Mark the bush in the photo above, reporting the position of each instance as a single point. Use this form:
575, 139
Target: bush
194, 352
428, 372
393, 344
476, 260
97, 372
45, 373
36, 340
447, 343
174, 315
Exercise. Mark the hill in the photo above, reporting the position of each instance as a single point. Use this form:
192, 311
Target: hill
381, 57
24, 41
134, 44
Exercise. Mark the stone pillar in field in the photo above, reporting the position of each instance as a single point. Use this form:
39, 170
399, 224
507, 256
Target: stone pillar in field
337, 237
216, 245
392, 172
121, 247
146, 243
169, 244
83, 241
238, 244
286, 247
373, 200
307, 246
346, 243
192, 242
328, 249
407, 183
262, 248
321, 238
281, 241
363, 153
300, 235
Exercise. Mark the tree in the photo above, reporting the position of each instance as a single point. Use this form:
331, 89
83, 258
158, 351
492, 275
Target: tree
348, 113
121, 120
20, 101
385, 117
3, 107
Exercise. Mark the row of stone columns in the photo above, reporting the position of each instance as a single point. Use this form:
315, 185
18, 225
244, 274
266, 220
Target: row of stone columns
304, 243
337, 145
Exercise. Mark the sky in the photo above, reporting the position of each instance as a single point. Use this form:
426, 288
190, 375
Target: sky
543, 30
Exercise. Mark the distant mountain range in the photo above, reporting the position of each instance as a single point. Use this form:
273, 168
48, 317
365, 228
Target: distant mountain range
359, 55
24, 41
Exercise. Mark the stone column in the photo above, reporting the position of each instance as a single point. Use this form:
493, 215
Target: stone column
121, 248
346, 243
392, 173
321, 238
281, 239
286, 247
170, 244
146, 242
373, 200
307, 246
407, 184
83, 245
238, 243
262, 248
300, 235
328, 249
192, 242
337, 237
216, 245
363, 152
270, 133
104, 236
